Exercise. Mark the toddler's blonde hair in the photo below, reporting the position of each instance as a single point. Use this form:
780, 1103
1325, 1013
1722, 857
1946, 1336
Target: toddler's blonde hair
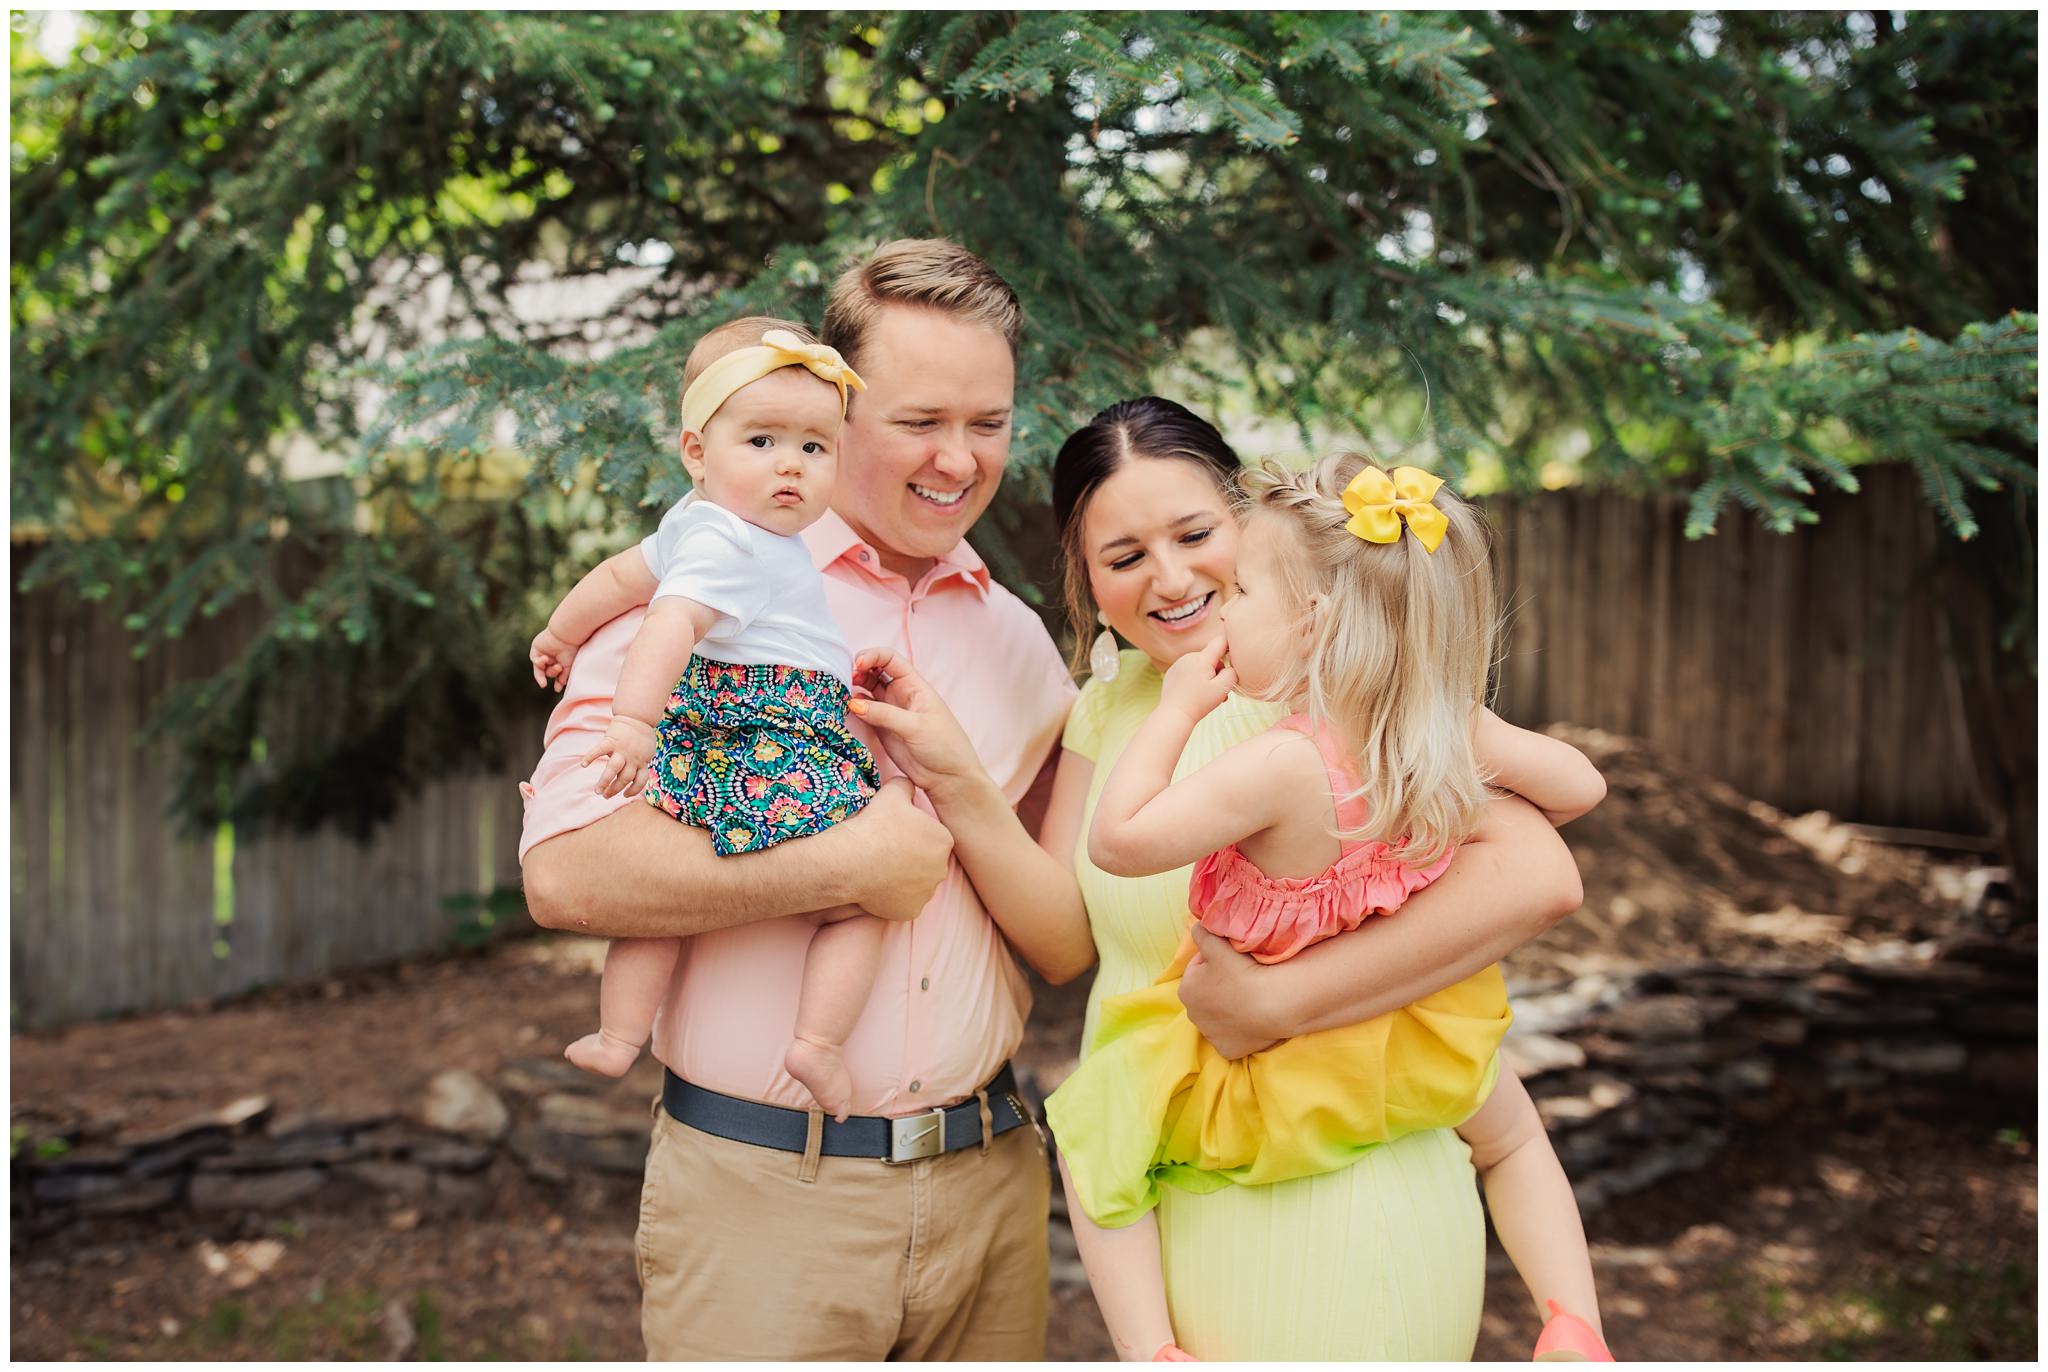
734, 334
1400, 645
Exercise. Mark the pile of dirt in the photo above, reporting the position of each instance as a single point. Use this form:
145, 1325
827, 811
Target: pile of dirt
1679, 867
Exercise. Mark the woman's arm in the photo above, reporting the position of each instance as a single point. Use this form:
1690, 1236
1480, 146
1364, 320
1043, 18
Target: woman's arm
1549, 773
1511, 881
1028, 889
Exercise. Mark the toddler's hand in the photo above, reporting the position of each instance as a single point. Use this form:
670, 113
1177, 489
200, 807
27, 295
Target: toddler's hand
1198, 682
627, 747
551, 655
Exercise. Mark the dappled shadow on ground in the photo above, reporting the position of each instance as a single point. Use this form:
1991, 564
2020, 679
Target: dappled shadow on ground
1827, 1232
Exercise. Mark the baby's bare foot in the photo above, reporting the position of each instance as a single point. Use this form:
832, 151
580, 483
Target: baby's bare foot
604, 1053
821, 1067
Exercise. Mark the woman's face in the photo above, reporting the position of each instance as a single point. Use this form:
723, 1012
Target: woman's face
1161, 546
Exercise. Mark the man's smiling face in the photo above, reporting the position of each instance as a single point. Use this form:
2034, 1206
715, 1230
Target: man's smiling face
924, 445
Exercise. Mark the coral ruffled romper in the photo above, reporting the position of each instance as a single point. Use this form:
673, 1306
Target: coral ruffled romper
1154, 1102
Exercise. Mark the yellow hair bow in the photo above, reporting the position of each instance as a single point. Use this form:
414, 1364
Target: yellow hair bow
1378, 503
777, 349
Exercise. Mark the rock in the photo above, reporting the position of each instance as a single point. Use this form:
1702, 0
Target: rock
285, 1128
403, 1221
1661, 1018
1532, 1054
306, 1149
399, 1178
1597, 1093
1916, 1057
449, 1155
592, 1117
537, 1076
101, 1193
458, 1102
2007, 1070
1994, 1019
395, 1324
464, 1195
1745, 1077
253, 1190
532, 1149
229, 1117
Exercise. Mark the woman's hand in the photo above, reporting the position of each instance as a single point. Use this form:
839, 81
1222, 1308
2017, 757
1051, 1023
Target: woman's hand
1198, 682
1222, 993
917, 731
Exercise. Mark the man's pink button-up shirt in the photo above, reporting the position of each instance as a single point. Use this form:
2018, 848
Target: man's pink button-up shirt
948, 1004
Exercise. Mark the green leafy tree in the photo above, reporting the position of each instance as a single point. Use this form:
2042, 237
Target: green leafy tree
1741, 253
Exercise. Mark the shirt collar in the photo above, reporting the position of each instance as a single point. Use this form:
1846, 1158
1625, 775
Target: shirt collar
831, 538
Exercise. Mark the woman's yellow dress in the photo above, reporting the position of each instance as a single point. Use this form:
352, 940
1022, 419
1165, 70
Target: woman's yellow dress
1382, 1259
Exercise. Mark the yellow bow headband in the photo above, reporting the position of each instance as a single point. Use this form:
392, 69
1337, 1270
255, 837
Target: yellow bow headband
777, 349
1378, 503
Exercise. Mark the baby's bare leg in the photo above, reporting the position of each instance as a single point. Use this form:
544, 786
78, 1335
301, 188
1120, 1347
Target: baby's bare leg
636, 973
1531, 1201
839, 971
1124, 1272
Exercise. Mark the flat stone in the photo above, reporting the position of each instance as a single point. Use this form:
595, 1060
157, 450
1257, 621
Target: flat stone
93, 1157
554, 1154
449, 1155
567, 1114
1994, 1019
1532, 1054
99, 1193
253, 1190
179, 1157
1745, 1077
285, 1128
1664, 1018
398, 1178
2007, 1070
458, 1102
1598, 1094
537, 1076
307, 1150
1917, 1057
229, 1117
1867, 1016
528, 1145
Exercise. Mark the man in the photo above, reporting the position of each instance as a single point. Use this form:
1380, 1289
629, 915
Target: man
767, 1230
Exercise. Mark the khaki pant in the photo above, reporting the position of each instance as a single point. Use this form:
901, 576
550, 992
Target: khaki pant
940, 1259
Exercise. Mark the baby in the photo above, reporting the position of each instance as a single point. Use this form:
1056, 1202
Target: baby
730, 709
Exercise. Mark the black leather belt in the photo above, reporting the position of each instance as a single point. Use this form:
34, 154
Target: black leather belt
903, 1139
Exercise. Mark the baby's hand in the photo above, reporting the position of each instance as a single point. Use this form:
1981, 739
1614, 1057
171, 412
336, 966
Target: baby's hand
1198, 682
551, 655
627, 747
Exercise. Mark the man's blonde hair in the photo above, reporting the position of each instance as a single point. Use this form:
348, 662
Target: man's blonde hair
734, 334
1400, 646
934, 273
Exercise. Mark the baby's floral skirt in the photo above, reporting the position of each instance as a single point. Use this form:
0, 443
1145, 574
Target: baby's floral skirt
758, 755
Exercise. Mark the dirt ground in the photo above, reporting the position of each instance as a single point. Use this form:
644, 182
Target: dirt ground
1815, 1237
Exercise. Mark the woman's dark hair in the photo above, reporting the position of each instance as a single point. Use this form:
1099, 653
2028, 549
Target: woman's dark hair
1145, 427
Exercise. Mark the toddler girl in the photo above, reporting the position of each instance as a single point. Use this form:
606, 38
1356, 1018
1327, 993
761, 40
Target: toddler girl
730, 710
1365, 602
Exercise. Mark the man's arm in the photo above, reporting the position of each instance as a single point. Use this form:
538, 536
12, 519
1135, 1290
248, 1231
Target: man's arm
1511, 881
637, 873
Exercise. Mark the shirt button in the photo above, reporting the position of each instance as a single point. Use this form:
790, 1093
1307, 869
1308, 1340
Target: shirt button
915, 1085
925, 985
864, 554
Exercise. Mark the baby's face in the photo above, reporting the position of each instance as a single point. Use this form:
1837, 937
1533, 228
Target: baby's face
771, 453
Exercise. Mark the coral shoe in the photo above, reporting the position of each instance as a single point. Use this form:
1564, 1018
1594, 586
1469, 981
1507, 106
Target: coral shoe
1567, 1338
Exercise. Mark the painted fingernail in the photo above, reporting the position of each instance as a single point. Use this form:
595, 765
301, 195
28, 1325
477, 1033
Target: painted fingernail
859, 707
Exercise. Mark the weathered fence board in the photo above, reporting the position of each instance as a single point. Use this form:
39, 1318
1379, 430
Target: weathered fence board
1804, 670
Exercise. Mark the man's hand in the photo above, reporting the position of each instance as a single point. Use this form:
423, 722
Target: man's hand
912, 851
627, 747
551, 655
1198, 682
1222, 994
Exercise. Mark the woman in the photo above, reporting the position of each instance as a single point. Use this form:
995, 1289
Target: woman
1383, 1260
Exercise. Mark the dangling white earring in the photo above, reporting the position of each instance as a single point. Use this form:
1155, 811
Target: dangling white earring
1102, 655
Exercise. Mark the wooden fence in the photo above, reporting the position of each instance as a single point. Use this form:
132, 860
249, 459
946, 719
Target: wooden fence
1805, 670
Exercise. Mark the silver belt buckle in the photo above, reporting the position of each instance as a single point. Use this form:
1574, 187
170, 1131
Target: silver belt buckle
916, 1136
